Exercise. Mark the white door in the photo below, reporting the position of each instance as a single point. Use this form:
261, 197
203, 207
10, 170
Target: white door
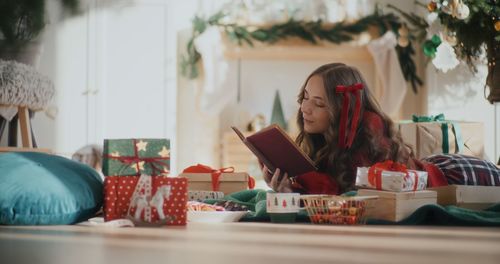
65, 61
130, 72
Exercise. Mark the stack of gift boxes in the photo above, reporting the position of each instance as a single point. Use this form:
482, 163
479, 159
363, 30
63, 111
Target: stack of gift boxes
400, 191
137, 185
429, 135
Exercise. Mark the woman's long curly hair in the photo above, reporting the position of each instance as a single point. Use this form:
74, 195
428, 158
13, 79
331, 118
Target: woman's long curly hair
322, 148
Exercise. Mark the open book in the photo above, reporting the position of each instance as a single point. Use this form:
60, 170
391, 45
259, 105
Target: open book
276, 149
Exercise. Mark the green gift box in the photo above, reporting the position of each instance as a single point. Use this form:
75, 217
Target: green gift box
133, 157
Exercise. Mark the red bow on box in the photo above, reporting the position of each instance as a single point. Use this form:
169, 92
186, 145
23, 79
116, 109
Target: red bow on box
200, 168
375, 173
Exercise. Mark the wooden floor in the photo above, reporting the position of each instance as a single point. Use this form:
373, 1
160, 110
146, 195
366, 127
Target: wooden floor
256, 243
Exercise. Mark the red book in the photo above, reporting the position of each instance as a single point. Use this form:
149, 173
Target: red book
276, 149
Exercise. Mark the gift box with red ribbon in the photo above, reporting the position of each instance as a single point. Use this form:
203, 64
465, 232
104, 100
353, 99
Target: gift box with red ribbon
391, 176
133, 157
205, 178
148, 200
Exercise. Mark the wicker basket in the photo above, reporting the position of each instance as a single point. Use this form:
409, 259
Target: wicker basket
336, 210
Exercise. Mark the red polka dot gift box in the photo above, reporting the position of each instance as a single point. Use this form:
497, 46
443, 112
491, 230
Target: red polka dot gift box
148, 200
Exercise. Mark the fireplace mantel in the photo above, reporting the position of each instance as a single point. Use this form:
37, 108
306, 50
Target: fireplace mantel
299, 51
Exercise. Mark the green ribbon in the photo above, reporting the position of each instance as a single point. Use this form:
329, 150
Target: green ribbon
444, 129
459, 142
424, 118
444, 144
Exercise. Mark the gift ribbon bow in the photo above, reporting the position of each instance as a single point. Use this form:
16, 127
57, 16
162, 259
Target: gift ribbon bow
345, 141
154, 162
444, 130
375, 173
215, 173
431, 118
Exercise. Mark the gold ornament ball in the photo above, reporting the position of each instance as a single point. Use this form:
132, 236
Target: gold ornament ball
403, 42
432, 6
403, 31
446, 8
497, 25
452, 40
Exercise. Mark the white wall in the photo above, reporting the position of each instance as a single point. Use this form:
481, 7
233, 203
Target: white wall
459, 94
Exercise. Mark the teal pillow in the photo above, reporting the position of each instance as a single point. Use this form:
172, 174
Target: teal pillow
43, 189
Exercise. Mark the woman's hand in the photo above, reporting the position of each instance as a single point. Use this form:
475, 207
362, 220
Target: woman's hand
277, 182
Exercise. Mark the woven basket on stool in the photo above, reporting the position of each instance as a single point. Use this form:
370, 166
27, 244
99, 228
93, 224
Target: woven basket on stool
22, 90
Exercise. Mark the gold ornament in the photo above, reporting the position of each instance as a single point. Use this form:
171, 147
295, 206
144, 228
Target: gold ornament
451, 39
403, 31
403, 42
446, 7
432, 6
497, 25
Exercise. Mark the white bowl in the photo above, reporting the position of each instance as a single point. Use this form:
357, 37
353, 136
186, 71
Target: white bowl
215, 216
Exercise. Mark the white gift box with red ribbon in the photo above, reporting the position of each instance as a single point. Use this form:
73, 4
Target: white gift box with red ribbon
396, 181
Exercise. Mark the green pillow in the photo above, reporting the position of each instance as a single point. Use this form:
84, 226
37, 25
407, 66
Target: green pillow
43, 189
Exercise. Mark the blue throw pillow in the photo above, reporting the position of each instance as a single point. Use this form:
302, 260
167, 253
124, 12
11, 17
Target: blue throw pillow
43, 189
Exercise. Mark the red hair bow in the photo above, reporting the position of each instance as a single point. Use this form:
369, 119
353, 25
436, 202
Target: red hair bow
345, 141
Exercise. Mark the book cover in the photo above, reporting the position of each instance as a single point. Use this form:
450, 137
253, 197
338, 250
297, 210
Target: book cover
276, 149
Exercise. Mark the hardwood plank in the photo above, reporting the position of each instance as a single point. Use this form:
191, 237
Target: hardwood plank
264, 243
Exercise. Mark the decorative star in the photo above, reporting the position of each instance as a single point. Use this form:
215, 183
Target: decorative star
164, 153
141, 145
141, 166
115, 154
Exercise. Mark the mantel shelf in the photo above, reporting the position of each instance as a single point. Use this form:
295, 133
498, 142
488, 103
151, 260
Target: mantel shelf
299, 52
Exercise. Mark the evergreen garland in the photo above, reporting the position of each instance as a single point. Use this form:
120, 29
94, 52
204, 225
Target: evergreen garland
312, 32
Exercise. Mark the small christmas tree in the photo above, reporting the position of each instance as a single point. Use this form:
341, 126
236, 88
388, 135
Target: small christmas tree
277, 116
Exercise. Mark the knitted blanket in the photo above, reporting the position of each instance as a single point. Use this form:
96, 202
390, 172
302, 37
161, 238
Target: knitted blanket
255, 200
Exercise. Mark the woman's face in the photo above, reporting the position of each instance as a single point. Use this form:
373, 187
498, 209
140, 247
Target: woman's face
314, 107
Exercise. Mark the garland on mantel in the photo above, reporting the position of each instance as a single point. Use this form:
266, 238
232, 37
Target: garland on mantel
310, 31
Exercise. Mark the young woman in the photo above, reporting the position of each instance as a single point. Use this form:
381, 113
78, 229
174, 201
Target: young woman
342, 128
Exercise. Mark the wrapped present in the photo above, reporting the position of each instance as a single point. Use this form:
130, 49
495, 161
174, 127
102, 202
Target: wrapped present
396, 206
391, 176
133, 157
466, 196
204, 178
200, 196
156, 200
435, 135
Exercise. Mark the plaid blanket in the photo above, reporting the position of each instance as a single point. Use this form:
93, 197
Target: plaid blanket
465, 170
